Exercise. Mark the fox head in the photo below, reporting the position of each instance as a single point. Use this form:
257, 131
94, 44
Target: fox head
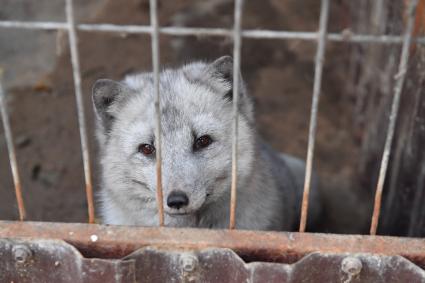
196, 137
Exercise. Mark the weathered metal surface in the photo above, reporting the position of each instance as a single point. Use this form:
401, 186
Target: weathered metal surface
119, 241
403, 212
57, 261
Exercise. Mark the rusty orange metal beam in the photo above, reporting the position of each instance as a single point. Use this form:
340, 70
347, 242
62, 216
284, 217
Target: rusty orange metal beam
286, 247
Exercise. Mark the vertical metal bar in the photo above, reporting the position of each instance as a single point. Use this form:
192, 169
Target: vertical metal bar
73, 46
320, 57
400, 76
237, 42
155, 64
11, 151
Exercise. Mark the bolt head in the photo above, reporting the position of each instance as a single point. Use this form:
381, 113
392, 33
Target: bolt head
21, 253
351, 266
188, 262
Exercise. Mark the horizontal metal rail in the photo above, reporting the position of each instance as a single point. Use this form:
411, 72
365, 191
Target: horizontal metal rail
345, 36
118, 241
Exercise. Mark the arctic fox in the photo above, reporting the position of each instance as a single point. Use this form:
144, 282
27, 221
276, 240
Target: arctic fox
196, 118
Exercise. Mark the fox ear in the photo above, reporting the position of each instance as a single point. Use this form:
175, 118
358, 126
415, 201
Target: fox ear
223, 67
106, 95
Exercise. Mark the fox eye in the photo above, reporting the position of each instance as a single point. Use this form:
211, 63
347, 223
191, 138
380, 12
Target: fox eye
146, 149
202, 142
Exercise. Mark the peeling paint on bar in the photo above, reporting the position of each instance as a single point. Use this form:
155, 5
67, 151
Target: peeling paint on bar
320, 57
11, 151
400, 76
158, 143
285, 247
73, 46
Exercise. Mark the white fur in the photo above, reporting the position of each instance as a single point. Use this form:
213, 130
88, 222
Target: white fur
193, 102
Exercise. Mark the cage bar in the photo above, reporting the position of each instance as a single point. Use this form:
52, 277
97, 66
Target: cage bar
321, 36
237, 42
345, 36
155, 64
320, 57
73, 46
399, 77
11, 151
285, 247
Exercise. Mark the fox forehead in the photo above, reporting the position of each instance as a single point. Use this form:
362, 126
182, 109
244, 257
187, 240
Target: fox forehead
195, 89
183, 102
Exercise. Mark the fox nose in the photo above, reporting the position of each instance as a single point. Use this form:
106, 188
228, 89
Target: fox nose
177, 199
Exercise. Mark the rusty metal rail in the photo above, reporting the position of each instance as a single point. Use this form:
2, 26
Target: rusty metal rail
285, 247
26, 260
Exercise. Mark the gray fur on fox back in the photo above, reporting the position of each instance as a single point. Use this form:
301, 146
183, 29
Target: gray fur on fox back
196, 101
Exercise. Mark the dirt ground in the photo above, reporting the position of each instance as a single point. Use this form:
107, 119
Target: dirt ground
279, 74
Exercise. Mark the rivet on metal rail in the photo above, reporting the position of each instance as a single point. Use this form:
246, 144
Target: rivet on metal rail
189, 263
351, 266
21, 253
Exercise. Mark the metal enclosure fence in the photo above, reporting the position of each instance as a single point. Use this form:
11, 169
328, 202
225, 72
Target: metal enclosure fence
237, 34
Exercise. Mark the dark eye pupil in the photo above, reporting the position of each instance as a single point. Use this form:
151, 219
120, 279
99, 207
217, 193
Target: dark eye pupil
146, 149
202, 142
